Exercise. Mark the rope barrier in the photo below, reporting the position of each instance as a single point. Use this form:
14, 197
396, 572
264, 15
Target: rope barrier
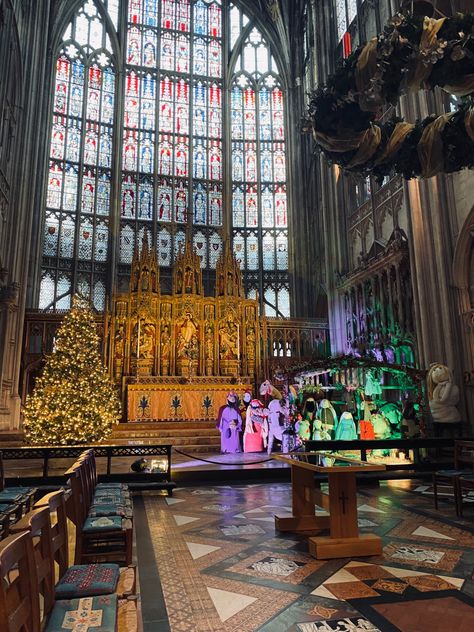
197, 458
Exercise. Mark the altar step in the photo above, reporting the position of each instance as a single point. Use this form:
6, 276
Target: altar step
189, 436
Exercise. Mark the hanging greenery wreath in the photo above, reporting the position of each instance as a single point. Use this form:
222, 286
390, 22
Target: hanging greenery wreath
412, 53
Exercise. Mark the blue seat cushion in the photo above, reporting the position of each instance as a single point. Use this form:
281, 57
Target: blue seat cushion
91, 614
87, 580
8, 496
450, 472
110, 499
122, 486
6, 507
111, 510
104, 523
467, 477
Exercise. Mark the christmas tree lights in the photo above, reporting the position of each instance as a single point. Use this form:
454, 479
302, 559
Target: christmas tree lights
73, 400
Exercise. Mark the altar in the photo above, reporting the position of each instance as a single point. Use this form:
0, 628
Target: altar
176, 356
170, 400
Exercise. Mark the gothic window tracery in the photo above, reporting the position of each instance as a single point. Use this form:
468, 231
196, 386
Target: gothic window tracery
138, 142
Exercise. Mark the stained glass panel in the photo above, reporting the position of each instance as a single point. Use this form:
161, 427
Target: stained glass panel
200, 246
164, 247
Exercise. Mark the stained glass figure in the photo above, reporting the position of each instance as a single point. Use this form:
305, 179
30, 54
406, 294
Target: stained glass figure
200, 204
215, 205
238, 213
145, 207
164, 201
181, 202
128, 198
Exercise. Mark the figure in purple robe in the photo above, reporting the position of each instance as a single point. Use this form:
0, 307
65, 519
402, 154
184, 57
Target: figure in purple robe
229, 423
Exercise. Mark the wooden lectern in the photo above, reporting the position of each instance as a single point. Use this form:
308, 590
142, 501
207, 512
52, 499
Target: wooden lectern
341, 503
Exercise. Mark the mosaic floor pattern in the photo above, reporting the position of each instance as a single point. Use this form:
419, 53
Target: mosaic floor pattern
216, 559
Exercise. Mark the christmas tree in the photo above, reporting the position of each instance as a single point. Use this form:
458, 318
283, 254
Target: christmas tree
73, 400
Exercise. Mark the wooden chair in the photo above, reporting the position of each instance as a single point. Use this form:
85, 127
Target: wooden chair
19, 602
463, 464
107, 538
55, 502
21, 496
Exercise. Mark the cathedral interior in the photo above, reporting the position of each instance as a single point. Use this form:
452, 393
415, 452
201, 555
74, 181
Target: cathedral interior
180, 165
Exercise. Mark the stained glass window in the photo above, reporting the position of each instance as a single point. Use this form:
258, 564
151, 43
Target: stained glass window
259, 197
346, 10
174, 82
145, 151
81, 154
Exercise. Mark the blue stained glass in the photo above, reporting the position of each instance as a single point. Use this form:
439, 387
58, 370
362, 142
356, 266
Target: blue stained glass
150, 13
73, 141
167, 51
215, 205
103, 195
268, 220
200, 18
128, 197
105, 147
70, 188
266, 165
99, 296
149, 49
199, 160
85, 239
199, 121
238, 162
181, 202
200, 204
145, 208
146, 153
200, 57
238, 213
91, 144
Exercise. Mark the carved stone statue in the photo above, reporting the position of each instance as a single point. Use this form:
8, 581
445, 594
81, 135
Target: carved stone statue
443, 395
228, 339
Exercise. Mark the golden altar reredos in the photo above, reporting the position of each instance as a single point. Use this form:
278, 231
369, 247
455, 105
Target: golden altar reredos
177, 356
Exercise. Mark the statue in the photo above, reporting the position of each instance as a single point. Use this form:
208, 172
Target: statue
145, 279
443, 395
187, 327
165, 349
147, 338
119, 343
228, 337
209, 349
229, 423
251, 342
188, 281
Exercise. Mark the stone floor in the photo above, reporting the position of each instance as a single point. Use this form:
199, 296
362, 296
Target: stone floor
211, 560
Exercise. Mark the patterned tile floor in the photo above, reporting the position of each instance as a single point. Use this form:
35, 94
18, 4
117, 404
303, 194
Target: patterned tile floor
210, 560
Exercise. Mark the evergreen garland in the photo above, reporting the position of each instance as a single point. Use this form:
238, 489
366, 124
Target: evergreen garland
342, 111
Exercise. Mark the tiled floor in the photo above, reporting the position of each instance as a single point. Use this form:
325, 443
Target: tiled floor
211, 560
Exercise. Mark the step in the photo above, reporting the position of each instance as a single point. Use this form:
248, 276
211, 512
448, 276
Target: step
198, 423
173, 432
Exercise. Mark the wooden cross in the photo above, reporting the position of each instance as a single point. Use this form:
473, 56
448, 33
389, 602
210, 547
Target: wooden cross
343, 499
